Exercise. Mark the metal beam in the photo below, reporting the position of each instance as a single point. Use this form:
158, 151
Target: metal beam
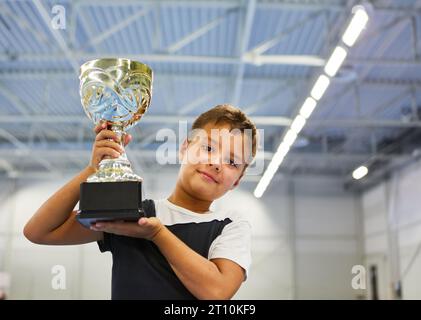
278, 59
66, 74
81, 157
334, 157
7, 166
23, 23
259, 120
22, 149
385, 27
415, 36
78, 154
398, 63
57, 35
383, 106
200, 101
392, 35
412, 261
304, 60
242, 47
12, 139
15, 100
341, 123
269, 43
395, 100
342, 157
226, 4
87, 26
300, 60
331, 5
199, 32
115, 28
380, 174
72, 25
249, 109
378, 6
392, 234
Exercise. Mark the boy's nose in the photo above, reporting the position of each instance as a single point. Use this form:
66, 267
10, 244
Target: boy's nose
217, 166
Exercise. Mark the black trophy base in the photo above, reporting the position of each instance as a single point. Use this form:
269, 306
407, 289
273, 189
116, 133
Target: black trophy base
110, 201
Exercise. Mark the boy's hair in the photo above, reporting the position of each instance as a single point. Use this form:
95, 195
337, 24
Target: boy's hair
228, 114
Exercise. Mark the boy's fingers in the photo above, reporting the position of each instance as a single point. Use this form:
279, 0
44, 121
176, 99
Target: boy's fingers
127, 139
107, 134
117, 227
142, 221
105, 151
109, 144
100, 126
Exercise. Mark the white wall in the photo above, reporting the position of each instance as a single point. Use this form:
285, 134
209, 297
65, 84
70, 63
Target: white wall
310, 214
30, 266
326, 239
391, 206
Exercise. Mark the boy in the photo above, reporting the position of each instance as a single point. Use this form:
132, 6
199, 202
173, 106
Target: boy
186, 251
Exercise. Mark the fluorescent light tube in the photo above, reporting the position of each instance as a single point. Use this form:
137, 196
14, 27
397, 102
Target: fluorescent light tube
320, 87
360, 172
308, 107
357, 24
335, 61
298, 124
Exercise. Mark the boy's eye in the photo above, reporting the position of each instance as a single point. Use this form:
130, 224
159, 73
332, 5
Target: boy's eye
232, 163
207, 148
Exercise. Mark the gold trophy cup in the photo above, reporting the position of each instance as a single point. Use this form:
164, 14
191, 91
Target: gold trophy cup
117, 91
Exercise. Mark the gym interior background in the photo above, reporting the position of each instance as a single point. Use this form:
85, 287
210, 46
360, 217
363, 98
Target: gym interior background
318, 232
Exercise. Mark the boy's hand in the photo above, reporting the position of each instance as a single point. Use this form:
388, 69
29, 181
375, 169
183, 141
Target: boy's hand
107, 144
146, 228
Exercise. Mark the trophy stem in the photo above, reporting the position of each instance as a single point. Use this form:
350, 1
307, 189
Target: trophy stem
115, 169
118, 129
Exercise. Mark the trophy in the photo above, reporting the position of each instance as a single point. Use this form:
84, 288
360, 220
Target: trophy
117, 91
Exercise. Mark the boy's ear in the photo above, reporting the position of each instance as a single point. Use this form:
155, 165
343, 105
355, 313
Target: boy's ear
236, 183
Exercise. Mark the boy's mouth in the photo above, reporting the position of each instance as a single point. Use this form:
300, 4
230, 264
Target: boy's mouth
207, 176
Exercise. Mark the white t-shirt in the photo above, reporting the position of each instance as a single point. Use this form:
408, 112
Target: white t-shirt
232, 231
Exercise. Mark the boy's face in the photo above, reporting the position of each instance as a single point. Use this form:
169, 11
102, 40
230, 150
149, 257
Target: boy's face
213, 161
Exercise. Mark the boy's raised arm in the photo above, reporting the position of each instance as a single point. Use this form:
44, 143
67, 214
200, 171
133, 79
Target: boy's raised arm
55, 221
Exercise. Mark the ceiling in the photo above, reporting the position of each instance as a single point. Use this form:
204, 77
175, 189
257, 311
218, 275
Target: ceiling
262, 56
